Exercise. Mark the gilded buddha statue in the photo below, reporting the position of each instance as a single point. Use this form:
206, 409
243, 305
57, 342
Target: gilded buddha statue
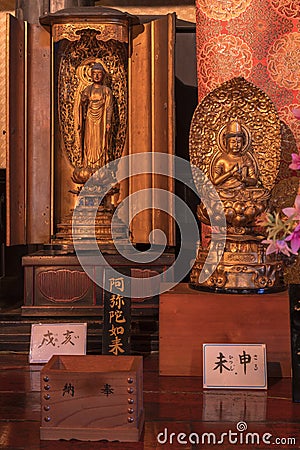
94, 127
241, 164
94, 137
96, 108
234, 168
91, 116
234, 173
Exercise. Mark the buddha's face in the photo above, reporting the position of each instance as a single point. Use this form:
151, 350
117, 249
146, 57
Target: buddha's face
97, 75
235, 144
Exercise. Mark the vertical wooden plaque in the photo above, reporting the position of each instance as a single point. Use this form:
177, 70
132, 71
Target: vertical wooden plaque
116, 316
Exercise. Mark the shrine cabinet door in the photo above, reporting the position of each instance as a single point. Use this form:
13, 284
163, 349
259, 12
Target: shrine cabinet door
15, 87
28, 130
152, 120
39, 165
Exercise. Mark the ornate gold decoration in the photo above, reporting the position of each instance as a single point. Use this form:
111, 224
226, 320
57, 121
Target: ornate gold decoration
105, 32
240, 99
78, 228
284, 61
239, 271
237, 257
235, 139
91, 109
74, 76
287, 181
222, 58
241, 276
241, 208
223, 9
81, 232
284, 193
287, 8
234, 171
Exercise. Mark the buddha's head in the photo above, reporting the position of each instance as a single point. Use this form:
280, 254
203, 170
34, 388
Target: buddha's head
97, 73
234, 137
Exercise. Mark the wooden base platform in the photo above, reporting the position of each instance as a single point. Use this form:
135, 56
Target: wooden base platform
173, 405
56, 285
190, 318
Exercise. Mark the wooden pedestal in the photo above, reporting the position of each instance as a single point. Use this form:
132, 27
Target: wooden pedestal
91, 398
55, 284
189, 318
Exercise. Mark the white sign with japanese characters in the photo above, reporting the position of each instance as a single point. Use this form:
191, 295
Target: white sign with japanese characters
56, 339
240, 366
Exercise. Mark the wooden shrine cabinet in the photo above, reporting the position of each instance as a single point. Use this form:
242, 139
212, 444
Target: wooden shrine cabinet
45, 157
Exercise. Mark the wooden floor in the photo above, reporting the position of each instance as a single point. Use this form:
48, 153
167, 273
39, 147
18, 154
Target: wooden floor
175, 404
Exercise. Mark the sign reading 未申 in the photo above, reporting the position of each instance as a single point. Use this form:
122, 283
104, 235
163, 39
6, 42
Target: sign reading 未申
241, 366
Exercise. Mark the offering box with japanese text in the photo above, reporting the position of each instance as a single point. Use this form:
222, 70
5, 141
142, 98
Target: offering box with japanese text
91, 398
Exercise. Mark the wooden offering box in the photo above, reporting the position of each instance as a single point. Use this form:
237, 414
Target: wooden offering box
91, 398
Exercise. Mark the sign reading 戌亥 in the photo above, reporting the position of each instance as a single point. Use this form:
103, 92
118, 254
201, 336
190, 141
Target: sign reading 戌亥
116, 316
56, 339
241, 366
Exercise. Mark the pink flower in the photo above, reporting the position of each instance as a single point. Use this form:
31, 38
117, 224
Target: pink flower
295, 212
277, 247
295, 164
294, 239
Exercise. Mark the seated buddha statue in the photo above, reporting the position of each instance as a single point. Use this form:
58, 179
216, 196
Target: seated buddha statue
235, 139
235, 168
234, 173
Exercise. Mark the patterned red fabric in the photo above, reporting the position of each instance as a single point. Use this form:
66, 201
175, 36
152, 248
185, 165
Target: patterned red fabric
256, 39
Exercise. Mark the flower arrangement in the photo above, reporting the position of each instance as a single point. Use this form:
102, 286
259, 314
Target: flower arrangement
283, 228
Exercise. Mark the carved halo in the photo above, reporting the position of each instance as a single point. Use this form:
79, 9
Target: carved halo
74, 75
83, 71
255, 111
